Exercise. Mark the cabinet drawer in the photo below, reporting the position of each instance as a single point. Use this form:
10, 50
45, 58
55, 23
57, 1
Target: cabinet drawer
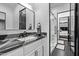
32, 46
39, 51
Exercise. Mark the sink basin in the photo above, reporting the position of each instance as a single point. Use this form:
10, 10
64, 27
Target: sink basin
28, 39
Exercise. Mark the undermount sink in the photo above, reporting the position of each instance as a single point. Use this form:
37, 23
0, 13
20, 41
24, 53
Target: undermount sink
28, 39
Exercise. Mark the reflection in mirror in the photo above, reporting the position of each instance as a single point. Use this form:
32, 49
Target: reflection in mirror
22, 19
15, 16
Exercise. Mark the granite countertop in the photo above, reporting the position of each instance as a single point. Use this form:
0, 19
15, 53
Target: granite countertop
12, 42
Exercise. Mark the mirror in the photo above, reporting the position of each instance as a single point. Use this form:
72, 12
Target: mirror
15, 16
22, 19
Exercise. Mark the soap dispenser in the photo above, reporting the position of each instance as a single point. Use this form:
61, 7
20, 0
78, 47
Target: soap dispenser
39, 29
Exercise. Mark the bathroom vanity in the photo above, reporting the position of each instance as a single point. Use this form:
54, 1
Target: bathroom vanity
31, 45
13, 40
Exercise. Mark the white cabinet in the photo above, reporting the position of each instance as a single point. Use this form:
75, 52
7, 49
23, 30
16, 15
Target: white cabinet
34, 46
32, 53
17, 52
37, 48
39, 51
36, 52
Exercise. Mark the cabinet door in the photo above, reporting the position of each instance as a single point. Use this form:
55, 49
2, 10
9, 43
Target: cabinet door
39, 51
31, 53
36, 52
31, 47
44, 47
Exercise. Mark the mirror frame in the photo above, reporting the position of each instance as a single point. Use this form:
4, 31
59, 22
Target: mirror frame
26, 15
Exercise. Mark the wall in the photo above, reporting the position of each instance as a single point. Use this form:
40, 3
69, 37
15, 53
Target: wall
42, 16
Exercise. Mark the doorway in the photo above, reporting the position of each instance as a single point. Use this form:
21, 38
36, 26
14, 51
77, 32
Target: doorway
65, 42
63, 32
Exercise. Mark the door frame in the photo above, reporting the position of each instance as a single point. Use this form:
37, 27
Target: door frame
76, 30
